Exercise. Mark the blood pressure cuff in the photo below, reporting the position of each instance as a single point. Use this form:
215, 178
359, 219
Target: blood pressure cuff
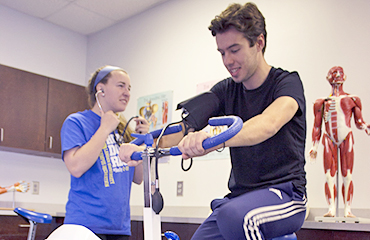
197, 110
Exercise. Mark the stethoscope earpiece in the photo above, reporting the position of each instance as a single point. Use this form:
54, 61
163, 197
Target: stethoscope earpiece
100, 91
97, 99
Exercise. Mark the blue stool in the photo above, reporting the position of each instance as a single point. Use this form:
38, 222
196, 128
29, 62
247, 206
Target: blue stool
286, 237
33, 218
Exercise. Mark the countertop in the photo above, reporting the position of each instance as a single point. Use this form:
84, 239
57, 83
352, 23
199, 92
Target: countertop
197, 215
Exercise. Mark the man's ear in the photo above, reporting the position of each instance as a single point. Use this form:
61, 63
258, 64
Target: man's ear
260, 42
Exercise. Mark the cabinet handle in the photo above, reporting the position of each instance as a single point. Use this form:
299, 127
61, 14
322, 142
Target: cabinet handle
50, 142
1, 134
24, 225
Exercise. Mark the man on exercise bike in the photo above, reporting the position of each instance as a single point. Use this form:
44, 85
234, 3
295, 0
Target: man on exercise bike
267, 183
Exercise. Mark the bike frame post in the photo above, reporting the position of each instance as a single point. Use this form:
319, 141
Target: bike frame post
152, 221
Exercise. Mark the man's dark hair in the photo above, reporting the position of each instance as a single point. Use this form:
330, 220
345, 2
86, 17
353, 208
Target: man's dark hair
247, 19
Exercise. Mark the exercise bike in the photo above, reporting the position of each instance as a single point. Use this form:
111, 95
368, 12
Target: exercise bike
153, 203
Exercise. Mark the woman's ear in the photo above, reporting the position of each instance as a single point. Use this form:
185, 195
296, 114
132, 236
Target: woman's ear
100, 88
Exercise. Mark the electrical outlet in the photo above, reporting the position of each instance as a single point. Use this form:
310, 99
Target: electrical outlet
180, 188
35, 187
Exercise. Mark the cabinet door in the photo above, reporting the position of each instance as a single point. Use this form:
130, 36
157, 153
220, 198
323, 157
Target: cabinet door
23, 97
63, 99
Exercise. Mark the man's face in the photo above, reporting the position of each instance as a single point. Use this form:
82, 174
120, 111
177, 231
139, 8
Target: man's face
238, 57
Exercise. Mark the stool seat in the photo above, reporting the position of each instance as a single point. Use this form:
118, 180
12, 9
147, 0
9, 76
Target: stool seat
72, 232
33, 216
292, 236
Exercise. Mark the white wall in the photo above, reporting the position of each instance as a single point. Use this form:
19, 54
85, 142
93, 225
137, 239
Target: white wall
37, 46
34, 45
170, 48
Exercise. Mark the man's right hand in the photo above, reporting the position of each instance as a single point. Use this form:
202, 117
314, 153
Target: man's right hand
191, 144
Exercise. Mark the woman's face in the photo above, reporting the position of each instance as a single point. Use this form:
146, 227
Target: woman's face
116, 91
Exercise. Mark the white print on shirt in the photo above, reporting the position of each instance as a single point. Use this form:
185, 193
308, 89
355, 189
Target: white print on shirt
110, 161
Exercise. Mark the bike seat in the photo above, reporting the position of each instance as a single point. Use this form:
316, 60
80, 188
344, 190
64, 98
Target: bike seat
171, 235
29, 215
291, 236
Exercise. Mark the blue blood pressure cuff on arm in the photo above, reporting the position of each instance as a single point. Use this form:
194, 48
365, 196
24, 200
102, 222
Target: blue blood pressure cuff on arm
197, 110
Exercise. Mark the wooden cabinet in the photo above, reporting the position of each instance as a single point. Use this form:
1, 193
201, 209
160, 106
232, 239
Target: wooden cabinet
15, 228
23, 98
32, 111
63, 99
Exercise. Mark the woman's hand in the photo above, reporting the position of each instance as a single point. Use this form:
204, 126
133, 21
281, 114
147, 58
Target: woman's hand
142, 125
109, 121
125, 152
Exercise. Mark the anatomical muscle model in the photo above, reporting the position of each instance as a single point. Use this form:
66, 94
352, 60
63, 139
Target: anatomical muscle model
336, 111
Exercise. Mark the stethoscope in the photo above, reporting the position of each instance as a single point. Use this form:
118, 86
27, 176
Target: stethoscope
120, 140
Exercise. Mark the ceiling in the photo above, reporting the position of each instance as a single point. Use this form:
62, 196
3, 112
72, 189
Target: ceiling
82, 16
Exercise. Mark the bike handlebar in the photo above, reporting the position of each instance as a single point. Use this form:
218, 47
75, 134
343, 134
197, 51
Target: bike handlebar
235, 125
156, 133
